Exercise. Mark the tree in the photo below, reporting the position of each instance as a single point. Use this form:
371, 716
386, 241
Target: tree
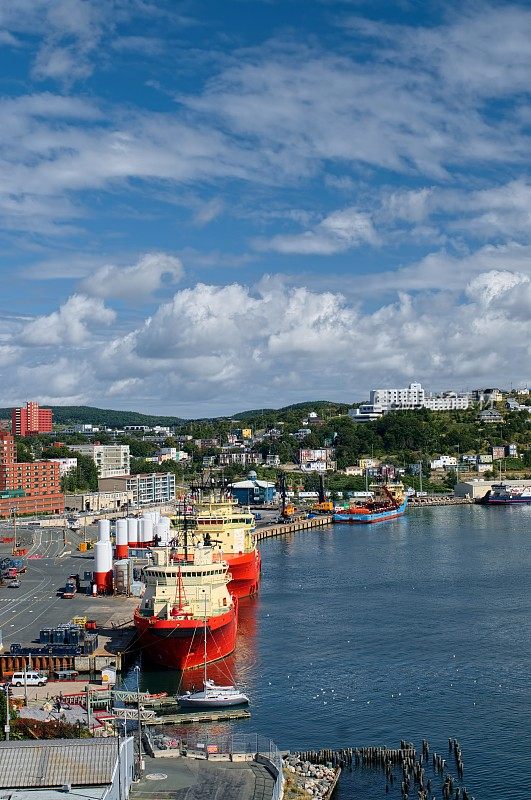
83, 478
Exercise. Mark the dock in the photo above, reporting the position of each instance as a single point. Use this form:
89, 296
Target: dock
283, 528
439, 500
220, 715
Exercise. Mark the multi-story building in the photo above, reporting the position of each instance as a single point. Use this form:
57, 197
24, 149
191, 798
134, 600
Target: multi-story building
110, 459
444, 462
65, 464
157, 488
317, 460
272, 460
413, 397
242, 458
31, 420
27, 487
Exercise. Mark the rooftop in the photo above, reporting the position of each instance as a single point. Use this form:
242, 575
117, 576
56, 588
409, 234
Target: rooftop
56, 762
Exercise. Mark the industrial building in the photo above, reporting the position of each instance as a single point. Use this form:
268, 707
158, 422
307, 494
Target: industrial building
477, 489
156, 488
252, 491
31, 420
32, 487
110, 459
98, 501
57, 768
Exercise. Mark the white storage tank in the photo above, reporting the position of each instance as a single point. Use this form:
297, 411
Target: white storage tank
132, 532
147, 530
103, 566
104, 530
161, 533
122, 540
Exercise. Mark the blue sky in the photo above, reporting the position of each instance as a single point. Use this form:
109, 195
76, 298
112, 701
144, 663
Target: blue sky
207, 207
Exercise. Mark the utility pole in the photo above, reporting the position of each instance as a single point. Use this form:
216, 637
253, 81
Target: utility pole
420, 474
14, 513
7, 727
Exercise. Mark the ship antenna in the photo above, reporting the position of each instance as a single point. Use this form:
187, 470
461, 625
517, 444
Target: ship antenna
185, 531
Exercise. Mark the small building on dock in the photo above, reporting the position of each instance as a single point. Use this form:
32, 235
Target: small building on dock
477, 489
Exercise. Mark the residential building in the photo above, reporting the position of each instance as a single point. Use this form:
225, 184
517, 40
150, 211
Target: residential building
272, 460
411, 397
367, 412
98, 501
27, 487
157, 488
206, 444
486, 396
208, 461
243, 458
368, 463
317, 460
110, 459
301, 433
490, 416
444, 462
497, 452
31, 420
65, 464
168, 454
447, 401
353, 471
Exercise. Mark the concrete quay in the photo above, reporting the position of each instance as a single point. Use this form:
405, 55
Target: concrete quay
281, 529
438, 500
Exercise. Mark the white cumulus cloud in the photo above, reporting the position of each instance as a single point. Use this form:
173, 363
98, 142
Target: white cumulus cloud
134, 282
71, 324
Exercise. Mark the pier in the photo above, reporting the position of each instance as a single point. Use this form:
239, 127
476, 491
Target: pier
282, 528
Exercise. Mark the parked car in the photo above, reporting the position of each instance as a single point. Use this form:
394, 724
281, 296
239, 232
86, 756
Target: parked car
28, 678
14, 584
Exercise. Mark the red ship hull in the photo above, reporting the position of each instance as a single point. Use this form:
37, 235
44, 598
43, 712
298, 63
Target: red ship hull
244, 569
179, 644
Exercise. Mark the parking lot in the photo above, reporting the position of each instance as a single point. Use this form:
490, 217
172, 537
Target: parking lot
37, 604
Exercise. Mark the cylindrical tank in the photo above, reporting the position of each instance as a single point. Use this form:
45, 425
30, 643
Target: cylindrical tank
121, 575
132, 531
103, 566
104, 530
160, 533
147, 531
122, 541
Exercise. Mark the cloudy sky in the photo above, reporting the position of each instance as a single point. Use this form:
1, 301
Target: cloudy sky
212, 206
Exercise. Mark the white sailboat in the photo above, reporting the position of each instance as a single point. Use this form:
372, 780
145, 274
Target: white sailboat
212, 695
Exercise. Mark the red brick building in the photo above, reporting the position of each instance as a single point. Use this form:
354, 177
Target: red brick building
30, 420
28, 487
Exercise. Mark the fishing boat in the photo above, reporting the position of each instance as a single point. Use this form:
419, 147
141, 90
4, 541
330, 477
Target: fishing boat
171, 617
389, 501
211, 695
220, 520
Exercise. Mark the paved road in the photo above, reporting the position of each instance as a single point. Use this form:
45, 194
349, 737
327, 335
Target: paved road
37, 604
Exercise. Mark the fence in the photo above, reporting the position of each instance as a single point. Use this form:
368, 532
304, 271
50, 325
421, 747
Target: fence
256, 747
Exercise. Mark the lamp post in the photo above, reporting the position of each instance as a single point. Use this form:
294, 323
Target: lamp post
139, 769
7, 726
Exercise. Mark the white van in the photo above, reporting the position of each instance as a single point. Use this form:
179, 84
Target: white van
28, 678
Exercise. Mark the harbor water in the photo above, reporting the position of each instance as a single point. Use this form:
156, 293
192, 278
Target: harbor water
415, 628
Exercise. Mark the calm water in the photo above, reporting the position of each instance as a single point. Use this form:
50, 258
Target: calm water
414, 628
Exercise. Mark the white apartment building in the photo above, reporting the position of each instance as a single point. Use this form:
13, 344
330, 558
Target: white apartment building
110, 459
412, 397
65, 464
444, 462
157, 488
